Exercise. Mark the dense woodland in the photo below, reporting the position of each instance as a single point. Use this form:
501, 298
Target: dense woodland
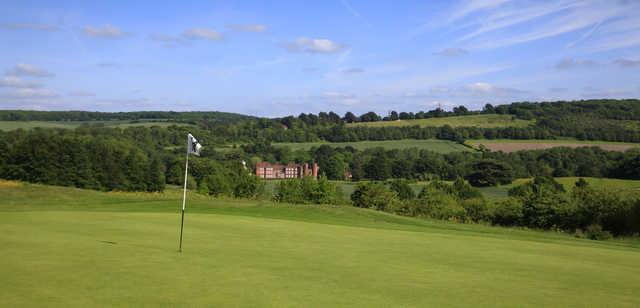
149, 158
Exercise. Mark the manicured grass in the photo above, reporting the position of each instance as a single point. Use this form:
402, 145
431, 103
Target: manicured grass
13, 125
70, 247
440, 146
616, 185
481, 120
511, 145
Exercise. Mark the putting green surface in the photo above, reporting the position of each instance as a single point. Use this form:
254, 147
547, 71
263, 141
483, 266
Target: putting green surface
106, 249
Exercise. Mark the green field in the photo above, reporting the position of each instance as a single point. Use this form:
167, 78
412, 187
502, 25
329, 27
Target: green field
71, 247
616, 185
13, 125
513, 145
481, 120
440, 146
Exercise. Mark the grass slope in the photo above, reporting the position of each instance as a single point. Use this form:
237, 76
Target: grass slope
13, 125
511, 145
440, 146
480, 120
70, 247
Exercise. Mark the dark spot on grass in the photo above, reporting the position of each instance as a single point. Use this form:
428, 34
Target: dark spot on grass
108, 242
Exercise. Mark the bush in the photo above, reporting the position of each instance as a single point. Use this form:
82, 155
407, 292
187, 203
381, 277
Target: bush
437, 204
375, 196
307, 190
402, 188
595, 232
476, 209
508, 212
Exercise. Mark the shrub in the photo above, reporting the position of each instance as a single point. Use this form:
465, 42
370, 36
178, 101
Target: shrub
508, 212
476, 209
375, 196
402, 188
437, 204
307, 190
595, 232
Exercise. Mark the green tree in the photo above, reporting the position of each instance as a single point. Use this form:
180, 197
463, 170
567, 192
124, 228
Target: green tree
488, 172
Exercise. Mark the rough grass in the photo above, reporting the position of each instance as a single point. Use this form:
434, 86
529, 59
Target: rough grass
13, 125
511, 145
481, 120
440, 146
71, 247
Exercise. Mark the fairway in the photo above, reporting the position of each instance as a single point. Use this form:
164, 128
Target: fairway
480, 120
13, 125
439, 146
70, 247
511, 145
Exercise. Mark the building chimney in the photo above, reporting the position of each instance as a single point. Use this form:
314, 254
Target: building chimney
315, 170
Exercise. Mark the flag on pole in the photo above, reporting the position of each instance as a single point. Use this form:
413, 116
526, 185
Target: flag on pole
194, 146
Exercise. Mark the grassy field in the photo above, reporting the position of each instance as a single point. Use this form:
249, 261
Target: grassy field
440, 146
617, 185
70, 247
13, 125
511, 145
481, 120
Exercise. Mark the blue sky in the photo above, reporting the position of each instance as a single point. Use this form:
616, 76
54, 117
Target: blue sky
273, 58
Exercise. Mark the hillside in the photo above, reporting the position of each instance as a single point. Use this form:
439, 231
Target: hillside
480, 120
13, 125
72, 247
83, 116
510, 145
438, 146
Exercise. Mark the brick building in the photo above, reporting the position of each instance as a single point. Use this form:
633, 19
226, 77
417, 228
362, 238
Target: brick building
265, 170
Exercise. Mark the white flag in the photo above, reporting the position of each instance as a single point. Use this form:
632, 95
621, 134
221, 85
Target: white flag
194, 146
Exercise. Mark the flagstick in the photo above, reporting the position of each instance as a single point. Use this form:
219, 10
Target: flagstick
184, 194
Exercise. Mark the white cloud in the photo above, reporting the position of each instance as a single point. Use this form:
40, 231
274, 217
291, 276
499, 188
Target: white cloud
575, 63
627, 63
482, 87
22, 69
36, 27
308, 45
472, 6
508, 17
81, 94
15, 82
31, 93
255, 28
107, 31
202, 34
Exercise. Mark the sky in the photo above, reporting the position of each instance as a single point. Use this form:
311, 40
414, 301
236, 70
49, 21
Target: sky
276, 58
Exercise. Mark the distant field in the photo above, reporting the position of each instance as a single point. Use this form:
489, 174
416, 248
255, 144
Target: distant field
440, 146
510, 145
617, 185
69, 247
481, 120
13, 125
